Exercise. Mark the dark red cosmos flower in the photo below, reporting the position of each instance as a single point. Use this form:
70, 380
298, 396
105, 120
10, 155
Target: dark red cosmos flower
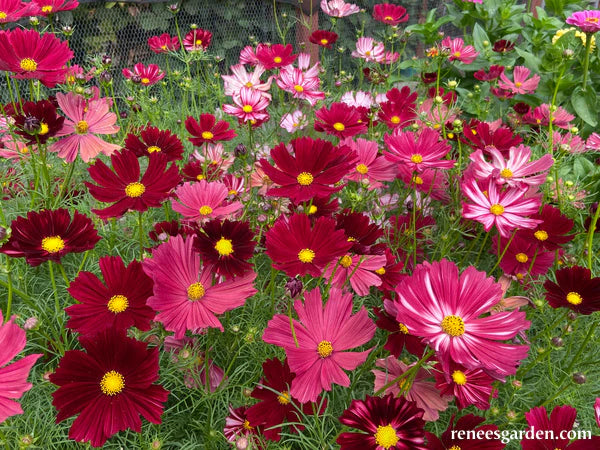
340, 120
161, 231
109, 385
502, 94
400, 109
197, 40
428, 77
391, 274
493, 73
468, 386
208, 130
503, 46
153, 140
227, 245
323, 38
387, 422
31, 56
198, 170
275, 406
360, 231
38, 121
479, 136
277, 55
164, 43
574, 289
119, 303
523, 257
398, 335
311, 172
465, 424
297, 248
50, 235
124, 187
390, 14
316, 207
562, 420
552, 233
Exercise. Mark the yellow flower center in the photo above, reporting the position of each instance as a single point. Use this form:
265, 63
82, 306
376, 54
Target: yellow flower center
277, 59
164, 47
574, 298
205, 210
81, 127
3, 15
249, 84
28, 65
112, 383
200, 177
456, 447
591, 19
224, 247
305, 178
233, 192
497, 209
386, 437
456, 54
324, 349
339, 126
247, 108
453, 325
145, 80
324, 41
403, 329
118, 303
345, 261
53, 244
506, 173
521, 257
388, 18
284, 398
541, 235
367, 53
247, 425
153, 148
43, 128
306, 255
459, 377
198, 41
312, 209
518, 84
417, 180
298, 88
417, 159
395, 119
195, 291
135, 189
207, 135
362, 169
380, 271
47, 9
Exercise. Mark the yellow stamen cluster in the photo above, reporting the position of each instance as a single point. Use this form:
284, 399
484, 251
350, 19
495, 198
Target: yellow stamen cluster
339, 126
574, 298
112, 383
28, 65
324, 349
207, 135
497, 209
118, 303
453, 326
224, 247
53, 244
195, 291
416, 158
386, 437
305, 178
306, 255
134, 190
81, 127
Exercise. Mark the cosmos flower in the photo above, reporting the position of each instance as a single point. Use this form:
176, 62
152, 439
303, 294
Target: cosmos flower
203, 200
398, 336
250, 105
301, 84
14, 10
238, 429
197, 40
468, 386
542, 116
587, 21
152, 140
148, 75
123, 186
186, 295
294, 121
109, 385
208, 130
338, 8
49, 235
316, 345
453, 437
369, 49
493, 73
399, 109
358, 99
523, 257
385, 423
444, 308
521, 84
297, 248
574, 289
371, 169
274, 56
359, 270
323, 38
459, 51
48, 7
418, 151
119, 303
482, 136
234, 83
552, 232
37, 121
339, 120
13, 377
164, 43
359, 230
390, 14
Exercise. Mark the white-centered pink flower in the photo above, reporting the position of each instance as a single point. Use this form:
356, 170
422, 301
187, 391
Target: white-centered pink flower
459, 51
250, 105
302, 84
369, 49
358, 99
293, 121
240, 78
338, 8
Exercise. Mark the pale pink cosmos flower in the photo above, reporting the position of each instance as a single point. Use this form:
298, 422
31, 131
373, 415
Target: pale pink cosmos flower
390, 57
434, 114
83, 119
213, 154
593, 142
358, 99
570, 143
14, 149
517, 171
458, 50
369, 49
250, 105
316, 345
293, 121
521, 84
359, 270
301, 84
248, 56
260, 179
423, 392
505, 208
370, 168
338, 8
240, 78
203, 200
13, 377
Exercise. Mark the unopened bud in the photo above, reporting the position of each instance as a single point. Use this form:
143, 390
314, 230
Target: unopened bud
579, 378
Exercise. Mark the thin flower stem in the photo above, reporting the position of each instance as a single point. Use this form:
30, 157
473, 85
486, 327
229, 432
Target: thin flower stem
481, 248
503, 251
10, 290
64, 274
582, 347
141, 233
292, 326
586, 62
56, 297
408, 373
590, 238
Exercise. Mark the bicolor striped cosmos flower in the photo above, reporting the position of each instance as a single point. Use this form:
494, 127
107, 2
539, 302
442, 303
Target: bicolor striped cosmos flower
250, 105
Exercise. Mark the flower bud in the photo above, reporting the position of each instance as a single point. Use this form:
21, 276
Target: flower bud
32, 125
105, 77
579, 378
106, 60
31, 323
293, 287
557, 341
240, 150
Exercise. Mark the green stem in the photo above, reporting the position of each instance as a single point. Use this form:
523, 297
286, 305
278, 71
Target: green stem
586, 63
590, 237
407, 374
141, 233
503, 251
582, 347
10, 290
65, 184
56, 297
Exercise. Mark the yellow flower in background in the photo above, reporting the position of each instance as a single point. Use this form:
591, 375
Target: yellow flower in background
581, 35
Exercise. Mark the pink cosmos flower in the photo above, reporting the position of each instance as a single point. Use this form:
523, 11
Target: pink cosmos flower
214, 155
14, 10
293, 121
48, 7
432, 182
445, 308
517, 171
521, 84
338, 8
458, 50
370, 168
301, 84
358, 99
359, 270
83, 119
593, 142
423, 393
240, 78
418, 151
250, 105
185, 294
369, 49
568, 142
277, 55
523, 257
164, 43
587, 21
597, 410
197, 40
203, 200
504, 208
542, 116
469, 386
316, 343
13, 377
148, 75
248, 56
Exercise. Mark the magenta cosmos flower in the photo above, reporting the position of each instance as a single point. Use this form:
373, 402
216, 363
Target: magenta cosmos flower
444, 308
390, 14
13, 377
185, 294
148, 75
204, 200
83, 119
587, 21
48, 7
13, 10
359, 270
386, 423
418, 151
250, 105
468, 386
109, 385
507, 209
315, 346
458, 50
370, 169
163, 43
208, 130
